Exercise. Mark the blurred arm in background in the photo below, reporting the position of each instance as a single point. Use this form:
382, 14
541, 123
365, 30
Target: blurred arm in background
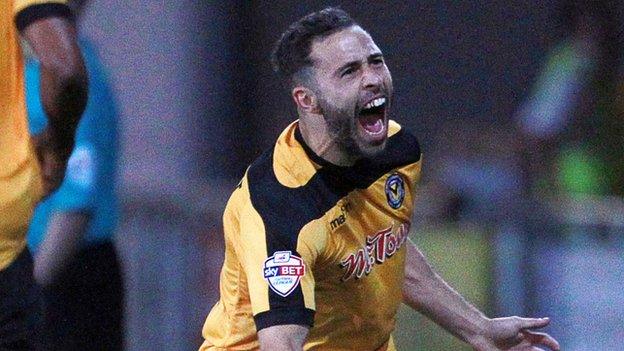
84, 206
72, 231
64, 84
425, 291
64, 234
63, 221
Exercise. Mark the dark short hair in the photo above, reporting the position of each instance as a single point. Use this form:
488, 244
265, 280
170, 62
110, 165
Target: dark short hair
291, 53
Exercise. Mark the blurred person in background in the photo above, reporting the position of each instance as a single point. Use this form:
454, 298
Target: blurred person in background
300, 271
573, 128
71, 234
574, 133
477, 178
32, 168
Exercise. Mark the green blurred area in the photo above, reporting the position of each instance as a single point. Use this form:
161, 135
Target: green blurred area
581, 172
462, 257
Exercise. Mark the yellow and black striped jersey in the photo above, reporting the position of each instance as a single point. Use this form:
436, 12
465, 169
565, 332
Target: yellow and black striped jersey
20, 186
315, 244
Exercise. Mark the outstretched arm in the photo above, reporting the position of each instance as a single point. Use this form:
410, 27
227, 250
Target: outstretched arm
425, 291
63, 89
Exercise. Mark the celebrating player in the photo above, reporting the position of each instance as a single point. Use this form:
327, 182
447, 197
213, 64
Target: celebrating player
317, 255
30, 169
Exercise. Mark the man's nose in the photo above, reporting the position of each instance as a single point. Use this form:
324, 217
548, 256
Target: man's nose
371, 80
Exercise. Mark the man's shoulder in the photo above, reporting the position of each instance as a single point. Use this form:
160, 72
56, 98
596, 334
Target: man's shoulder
284, 209
282, 169
402, 149
260, 185
260, 171
266, 183
276, 177
402, 144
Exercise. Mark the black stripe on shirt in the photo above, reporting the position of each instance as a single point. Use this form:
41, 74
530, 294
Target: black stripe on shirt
284, 316
34, 13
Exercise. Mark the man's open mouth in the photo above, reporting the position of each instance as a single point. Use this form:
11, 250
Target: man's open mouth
372, 117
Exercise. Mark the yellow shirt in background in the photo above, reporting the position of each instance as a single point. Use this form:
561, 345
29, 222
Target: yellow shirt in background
20, 185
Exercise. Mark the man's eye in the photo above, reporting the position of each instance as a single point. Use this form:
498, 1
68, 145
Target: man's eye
378, 61
347, 72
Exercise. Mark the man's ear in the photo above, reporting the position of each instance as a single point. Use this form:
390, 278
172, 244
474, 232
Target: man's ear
306, 99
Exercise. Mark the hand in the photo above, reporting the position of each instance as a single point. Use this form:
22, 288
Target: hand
53, 156
513, 334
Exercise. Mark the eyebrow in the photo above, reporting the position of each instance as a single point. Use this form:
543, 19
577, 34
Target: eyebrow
375, 56
353, 63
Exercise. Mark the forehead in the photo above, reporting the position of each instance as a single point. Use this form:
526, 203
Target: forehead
349, 44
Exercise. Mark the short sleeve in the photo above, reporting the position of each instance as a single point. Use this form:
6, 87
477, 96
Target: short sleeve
29, 11
279, 274
77, 192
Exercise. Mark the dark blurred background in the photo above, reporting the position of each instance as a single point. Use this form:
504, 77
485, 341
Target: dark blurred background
518, 107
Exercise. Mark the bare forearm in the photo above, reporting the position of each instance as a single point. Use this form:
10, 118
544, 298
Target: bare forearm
62, 240
64, 98
63, 75
425, 291
283, 338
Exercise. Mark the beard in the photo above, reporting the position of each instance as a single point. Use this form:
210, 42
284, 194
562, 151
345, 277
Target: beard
342, 128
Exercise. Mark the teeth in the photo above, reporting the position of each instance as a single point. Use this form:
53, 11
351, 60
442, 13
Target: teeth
375, 103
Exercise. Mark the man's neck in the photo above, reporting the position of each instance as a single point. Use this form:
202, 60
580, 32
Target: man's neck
315, 134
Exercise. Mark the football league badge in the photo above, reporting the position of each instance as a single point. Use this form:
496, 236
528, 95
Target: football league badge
283, 271
395, 190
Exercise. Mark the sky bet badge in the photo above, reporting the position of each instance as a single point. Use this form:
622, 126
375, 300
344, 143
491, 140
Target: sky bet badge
395, 190
283, 271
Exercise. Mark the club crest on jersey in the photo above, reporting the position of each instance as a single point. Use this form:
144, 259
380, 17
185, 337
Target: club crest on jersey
283, 271
395, 190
